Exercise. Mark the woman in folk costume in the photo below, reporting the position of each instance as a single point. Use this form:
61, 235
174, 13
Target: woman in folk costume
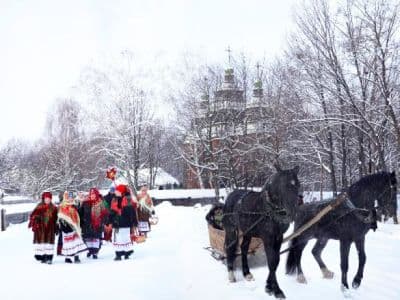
43, 222
123, 218
71, 236
146, 209
93, 214
107, 201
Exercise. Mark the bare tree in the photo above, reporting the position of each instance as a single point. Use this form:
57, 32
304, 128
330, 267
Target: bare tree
121, 115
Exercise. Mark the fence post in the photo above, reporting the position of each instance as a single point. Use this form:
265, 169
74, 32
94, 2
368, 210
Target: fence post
3, 219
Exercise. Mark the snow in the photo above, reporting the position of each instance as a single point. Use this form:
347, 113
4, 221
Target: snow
310, 196
18, 208
16, 198
172, 264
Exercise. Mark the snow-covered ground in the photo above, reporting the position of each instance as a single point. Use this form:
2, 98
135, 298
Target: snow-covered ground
18, 208
172, 264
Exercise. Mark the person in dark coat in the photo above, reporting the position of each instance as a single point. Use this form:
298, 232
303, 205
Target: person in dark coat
43, 221
108, 198
214, 216
107, 235
300, 200
124, 221
94, 215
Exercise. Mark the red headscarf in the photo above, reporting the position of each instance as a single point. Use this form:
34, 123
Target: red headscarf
122, 188
98, 211
97, 193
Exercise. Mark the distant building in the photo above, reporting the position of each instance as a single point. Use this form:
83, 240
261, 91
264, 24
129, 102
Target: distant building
229, 115
159, 179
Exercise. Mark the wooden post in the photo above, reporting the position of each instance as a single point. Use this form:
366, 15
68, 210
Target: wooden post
3, 219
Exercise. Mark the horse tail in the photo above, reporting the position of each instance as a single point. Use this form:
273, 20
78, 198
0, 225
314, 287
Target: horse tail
292, 257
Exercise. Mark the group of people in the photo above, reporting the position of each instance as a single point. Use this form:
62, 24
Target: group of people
83, 222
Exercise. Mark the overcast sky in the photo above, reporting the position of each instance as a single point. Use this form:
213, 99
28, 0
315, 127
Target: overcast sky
46, 43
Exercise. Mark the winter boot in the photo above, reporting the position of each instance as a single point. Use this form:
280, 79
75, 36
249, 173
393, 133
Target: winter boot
118, 255
49, 259
76, 259
88, 254
128, 254
44, 259
68, 260
94, 256
39, 258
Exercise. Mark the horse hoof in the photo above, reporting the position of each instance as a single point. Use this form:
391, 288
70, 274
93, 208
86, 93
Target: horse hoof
327, 274
356, 284
231, 276
301, 279
345, 291
269, 290
249, 277
280, 295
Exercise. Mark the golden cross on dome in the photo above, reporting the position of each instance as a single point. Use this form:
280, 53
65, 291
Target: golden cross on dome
229, 50
258, 66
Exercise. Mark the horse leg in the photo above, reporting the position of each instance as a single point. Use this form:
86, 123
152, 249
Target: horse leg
360, 245
231, 240
395, 220
293, 260
344, 262
316, 251
244, 248
300, 275
272, 249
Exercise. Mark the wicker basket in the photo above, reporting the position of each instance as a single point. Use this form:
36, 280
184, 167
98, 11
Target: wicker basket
138, 238
153, 220
217, 239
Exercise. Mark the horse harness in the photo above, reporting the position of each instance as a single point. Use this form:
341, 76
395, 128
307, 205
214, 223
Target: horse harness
270, 210
274, 212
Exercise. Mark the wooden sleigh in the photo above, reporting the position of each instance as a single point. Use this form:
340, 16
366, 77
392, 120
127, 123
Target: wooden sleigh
217, 239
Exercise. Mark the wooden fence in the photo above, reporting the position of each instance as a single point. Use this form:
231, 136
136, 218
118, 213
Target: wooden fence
189, 201
15, 218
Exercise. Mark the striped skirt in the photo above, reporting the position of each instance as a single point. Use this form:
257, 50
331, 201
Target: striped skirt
72, 244
43, 249
122, 239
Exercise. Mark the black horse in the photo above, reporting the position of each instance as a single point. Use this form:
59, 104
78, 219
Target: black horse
265, 215
381, 188
347, 223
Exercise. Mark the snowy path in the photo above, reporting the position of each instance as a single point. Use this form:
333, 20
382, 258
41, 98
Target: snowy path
172, 264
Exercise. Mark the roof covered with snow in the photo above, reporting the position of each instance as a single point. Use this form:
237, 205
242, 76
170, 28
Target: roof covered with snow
162, 178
